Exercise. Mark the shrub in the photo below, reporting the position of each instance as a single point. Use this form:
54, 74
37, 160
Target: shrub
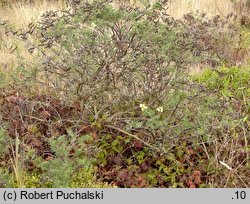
117, 55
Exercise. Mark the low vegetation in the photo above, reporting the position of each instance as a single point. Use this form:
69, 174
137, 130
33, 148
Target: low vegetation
126, 96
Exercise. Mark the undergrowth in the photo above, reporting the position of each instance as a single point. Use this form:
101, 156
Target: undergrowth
119, 107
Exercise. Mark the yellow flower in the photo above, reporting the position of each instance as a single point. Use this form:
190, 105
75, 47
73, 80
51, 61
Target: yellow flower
143, 107
160, 109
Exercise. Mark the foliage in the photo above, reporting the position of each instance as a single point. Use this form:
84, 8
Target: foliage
233, 82
120, 107
69, 153
6, 179
184, 151
4, 143
96, 51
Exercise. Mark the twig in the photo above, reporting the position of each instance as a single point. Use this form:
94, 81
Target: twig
41, 120
134, 136
205, 148
225, 165
234, 171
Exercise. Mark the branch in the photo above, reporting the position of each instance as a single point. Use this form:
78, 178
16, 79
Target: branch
134, 136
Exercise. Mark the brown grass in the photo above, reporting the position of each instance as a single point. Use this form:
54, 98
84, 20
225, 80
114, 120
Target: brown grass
19, 16
212, 7
177, 8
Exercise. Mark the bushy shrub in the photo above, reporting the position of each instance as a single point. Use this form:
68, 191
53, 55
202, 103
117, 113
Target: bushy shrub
121, 53
116, 55
216, 38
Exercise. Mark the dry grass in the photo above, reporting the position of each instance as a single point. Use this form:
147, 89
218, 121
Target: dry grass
19, 16
177, 8
213, 7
